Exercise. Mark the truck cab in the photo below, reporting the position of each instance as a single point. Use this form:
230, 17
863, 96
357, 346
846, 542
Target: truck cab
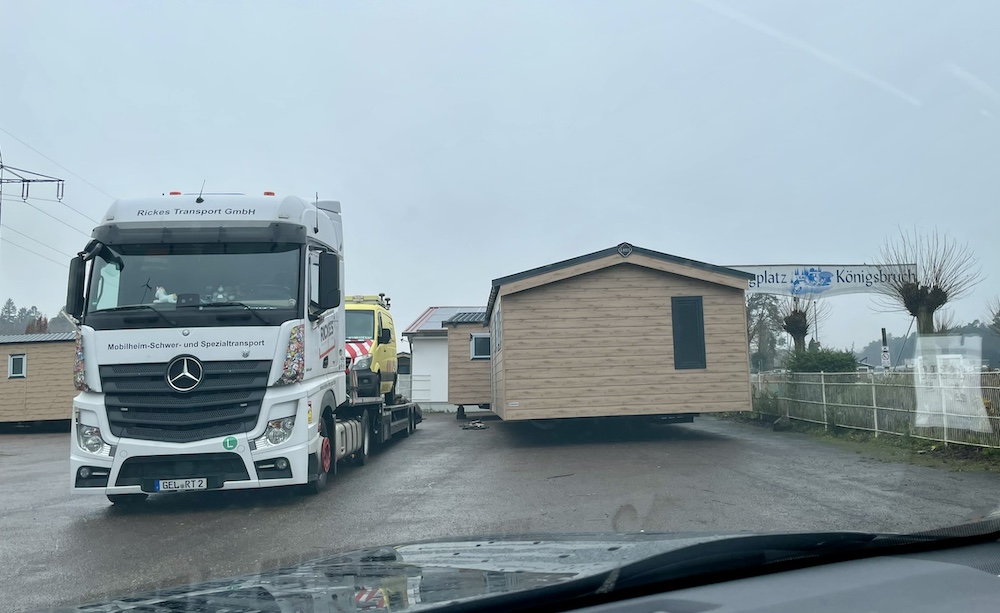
370, 345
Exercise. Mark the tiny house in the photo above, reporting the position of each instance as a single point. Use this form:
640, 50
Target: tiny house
623, 331
469, 352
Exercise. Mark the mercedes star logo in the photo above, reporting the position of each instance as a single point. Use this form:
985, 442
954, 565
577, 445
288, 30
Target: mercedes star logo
184, 373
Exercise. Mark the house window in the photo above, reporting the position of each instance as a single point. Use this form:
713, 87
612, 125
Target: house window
17, 366
688, 332
479, 347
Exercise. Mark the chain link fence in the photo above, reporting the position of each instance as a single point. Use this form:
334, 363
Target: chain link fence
955, 411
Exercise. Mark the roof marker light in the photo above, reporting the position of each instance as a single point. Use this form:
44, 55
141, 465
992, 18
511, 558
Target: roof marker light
268, 193
175, 193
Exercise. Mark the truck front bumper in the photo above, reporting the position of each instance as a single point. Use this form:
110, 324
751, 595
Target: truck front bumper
129, 466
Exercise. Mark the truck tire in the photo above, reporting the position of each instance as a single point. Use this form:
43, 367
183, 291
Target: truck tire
324, 461
361, 456
123, 500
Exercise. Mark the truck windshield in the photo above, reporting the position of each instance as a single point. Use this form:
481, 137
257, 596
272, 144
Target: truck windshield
360, 324
170, 277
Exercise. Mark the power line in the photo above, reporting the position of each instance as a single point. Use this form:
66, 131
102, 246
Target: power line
44, 257
57, 163
78, 212
3, 225
57, 219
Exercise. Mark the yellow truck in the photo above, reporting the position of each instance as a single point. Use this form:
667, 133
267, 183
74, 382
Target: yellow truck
370, 344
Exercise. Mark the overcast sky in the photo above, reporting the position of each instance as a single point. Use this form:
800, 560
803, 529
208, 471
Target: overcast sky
471, 140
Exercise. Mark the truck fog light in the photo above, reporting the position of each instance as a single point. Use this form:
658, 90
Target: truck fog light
281, 464
84, 473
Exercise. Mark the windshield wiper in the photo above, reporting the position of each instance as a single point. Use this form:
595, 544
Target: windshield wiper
233, 303
134, 307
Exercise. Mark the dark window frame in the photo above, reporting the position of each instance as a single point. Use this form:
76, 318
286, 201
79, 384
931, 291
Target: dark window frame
472, 346
687, 315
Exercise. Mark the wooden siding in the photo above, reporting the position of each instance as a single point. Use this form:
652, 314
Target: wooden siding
497, 397
636, 259
601, 344
47, 392
468, 379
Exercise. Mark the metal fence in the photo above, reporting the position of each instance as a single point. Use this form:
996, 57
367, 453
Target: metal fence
414, 387
959, 411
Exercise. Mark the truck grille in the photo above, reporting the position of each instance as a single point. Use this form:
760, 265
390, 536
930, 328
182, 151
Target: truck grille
141, 405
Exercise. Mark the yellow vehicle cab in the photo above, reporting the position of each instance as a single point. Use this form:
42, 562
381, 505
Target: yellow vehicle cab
370, 343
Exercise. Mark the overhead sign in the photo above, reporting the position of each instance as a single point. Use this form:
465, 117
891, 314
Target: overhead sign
821, 280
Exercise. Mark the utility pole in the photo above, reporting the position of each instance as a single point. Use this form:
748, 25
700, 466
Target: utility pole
10, 175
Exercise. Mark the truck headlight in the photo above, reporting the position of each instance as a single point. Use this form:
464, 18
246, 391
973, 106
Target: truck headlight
90, 439
277, 432
362, 363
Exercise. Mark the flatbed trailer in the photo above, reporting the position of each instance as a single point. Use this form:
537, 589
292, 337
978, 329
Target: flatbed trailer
365, 424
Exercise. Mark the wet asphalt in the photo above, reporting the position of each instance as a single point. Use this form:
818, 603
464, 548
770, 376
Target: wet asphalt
60, 549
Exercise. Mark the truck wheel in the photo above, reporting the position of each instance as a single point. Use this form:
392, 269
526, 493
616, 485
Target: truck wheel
123, 500
361, 455
324, 461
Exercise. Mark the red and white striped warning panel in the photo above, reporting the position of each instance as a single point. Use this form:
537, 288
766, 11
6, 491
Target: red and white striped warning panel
370, 597
356, 349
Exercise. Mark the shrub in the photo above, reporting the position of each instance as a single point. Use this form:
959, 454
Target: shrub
822, 360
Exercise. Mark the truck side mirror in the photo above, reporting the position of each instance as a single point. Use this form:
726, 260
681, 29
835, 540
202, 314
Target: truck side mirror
329, 280
384, 336
74, 289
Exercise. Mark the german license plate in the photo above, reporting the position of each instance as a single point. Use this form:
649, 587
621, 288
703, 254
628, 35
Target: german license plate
181, 485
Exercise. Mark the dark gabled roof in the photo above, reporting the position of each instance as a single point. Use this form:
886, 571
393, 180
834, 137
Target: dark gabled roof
466, 318
622, 249
48, 337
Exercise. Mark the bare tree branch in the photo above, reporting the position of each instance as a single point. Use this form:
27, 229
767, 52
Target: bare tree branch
944, 321
945, 272
993, 320
799, 317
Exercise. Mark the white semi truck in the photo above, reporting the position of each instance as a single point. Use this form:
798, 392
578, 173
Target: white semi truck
210, 353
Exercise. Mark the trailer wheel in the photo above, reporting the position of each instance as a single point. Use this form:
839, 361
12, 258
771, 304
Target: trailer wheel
361, 456
123, 500
324, 462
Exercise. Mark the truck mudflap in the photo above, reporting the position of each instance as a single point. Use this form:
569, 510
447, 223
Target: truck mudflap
225, 463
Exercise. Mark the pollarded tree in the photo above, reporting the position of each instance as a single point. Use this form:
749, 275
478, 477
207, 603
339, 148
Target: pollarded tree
799, 317
945, 272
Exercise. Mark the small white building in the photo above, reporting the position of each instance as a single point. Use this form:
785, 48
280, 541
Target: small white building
428, 341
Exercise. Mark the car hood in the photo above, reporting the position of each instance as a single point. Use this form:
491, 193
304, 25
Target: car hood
412, 576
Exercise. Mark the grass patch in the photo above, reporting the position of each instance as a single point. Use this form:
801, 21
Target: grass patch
888, 447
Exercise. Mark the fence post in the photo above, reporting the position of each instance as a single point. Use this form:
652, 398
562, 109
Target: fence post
874, 404
822, 387
944, 410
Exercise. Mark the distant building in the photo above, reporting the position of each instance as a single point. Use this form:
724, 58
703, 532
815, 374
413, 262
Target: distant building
38, 385
403, 363
428, 341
